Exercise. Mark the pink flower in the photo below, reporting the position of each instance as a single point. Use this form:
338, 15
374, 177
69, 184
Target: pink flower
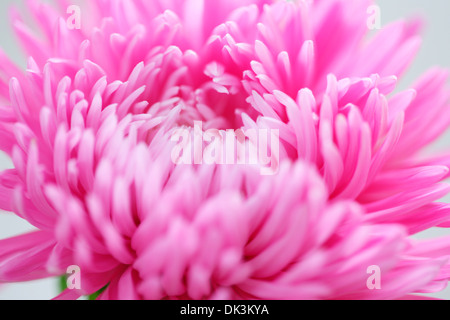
89, 126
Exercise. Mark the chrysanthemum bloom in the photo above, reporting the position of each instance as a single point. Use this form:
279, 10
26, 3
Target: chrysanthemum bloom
89, 125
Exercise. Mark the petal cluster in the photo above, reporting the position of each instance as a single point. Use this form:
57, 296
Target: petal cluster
89, 128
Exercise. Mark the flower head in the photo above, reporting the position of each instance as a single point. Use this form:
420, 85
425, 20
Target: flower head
89, 125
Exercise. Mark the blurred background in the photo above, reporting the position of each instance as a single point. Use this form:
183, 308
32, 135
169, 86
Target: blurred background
435, 51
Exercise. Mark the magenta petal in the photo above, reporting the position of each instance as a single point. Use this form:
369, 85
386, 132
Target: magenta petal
91, 127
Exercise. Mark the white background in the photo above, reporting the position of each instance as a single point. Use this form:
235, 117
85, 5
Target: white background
435, 51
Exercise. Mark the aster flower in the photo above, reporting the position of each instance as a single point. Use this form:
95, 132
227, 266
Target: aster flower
89, 125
